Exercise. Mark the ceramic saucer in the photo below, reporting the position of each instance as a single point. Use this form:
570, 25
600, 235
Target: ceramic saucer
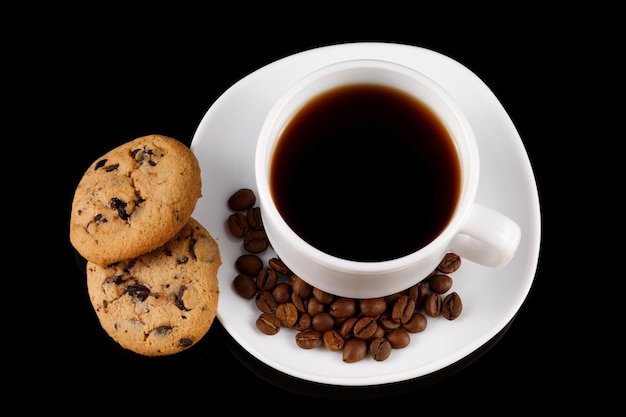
224, 143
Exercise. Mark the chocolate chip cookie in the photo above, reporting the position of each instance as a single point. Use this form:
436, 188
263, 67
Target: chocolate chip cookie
164, 301
134, 198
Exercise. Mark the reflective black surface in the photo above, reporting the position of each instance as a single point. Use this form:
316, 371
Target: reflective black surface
332, 392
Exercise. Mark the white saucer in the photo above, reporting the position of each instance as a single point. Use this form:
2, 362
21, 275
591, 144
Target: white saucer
224, 144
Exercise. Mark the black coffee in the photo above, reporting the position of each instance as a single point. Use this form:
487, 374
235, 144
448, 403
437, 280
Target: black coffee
366, 172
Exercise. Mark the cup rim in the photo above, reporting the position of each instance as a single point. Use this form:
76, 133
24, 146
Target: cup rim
265, 146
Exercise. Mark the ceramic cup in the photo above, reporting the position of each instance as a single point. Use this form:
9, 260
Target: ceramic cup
473, 231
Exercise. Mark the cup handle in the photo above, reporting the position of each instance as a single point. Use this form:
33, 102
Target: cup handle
487, 237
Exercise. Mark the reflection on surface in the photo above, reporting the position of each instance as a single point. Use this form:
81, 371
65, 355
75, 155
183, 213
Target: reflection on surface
333, 392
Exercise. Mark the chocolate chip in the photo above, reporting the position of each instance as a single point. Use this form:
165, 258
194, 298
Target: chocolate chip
185, 342
143, 155
179, 299
138, 291
99, 219
100, 164
120, 206
118, 279
162, 330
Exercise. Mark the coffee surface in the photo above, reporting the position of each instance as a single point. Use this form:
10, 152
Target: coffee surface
366, 172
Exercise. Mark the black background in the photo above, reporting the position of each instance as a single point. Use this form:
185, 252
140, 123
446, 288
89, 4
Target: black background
87, 85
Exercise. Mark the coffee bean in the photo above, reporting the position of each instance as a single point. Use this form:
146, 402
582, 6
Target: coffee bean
242, 199
391, 298
322, 322
399, 338
403, 309
278, 266
300, 303
416, 324
450, 263
300, 287
380, 349
256, 242
347, 327
238, 225
380, 332
354, 350
249, 264
253, 216
451, 306
419, 292
266, 279
268, 324
333, 340
352, 326
265, 302
245, 286
365, 328
304, 322
314, 306
282, 292
432, 305
388, 323
440, 283
309, 339
373, 306
322, 296
287, 314
339, 321
343, 307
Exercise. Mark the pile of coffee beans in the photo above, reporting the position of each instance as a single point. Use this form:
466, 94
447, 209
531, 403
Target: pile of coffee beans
354, 327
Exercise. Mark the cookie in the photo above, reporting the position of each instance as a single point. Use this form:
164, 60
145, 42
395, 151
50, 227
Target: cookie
134, 198
162, 302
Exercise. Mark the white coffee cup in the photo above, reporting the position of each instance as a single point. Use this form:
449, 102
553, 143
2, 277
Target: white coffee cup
474, 232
